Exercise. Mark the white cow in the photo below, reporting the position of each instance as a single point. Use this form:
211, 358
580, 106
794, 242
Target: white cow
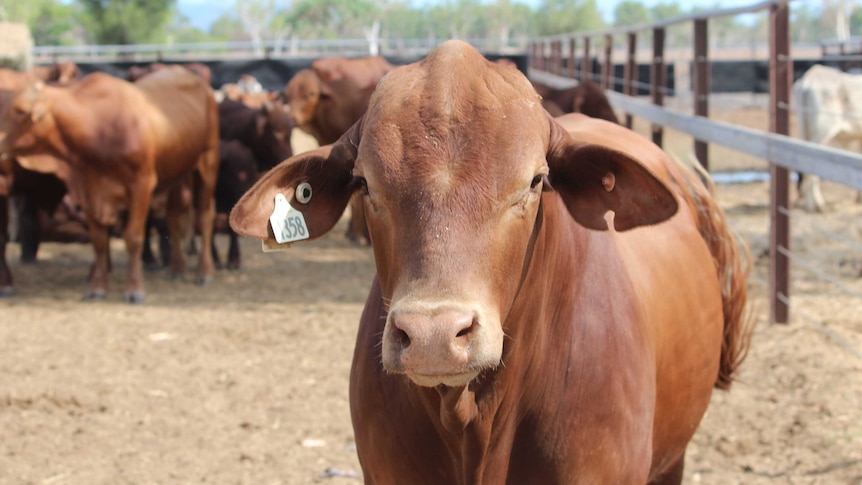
828, 105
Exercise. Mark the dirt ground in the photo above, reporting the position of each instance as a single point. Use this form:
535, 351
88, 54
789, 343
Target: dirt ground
245, 382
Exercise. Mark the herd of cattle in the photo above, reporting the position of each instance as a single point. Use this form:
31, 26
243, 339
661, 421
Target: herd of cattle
83, 158
555, 298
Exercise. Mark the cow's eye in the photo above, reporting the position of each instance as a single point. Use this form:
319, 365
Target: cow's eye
535, 181
362, 182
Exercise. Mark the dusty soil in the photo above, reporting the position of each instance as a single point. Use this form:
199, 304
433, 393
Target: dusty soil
246, 381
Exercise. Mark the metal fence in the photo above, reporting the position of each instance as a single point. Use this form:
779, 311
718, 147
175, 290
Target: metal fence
568, 58
290, 48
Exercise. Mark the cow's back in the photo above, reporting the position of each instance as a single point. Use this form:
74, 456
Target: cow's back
828, 105
182, 113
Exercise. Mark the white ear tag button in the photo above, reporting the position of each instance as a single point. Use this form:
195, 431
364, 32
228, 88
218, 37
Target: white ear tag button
288, 224
303, 193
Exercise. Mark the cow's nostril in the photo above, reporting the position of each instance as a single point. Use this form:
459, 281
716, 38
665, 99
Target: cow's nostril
401, 337
468, 330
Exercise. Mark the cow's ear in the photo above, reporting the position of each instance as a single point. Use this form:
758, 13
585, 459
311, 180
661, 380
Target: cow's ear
327, 71
593, 178
328, 173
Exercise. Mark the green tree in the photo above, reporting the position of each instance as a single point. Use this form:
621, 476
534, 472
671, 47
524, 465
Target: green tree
51, 22
331, 18
506, 19
676, 35
403, 22
126, 21
563, 16
856, 21
227, 28
181, 31
631, 12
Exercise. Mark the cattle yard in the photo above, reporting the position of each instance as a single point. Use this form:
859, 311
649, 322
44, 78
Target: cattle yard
246, 381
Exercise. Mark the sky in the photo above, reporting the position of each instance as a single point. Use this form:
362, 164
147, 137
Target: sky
203, 12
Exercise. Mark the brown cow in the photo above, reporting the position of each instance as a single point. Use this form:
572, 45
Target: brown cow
587, 98
137, 72
114, 143
530, 321
248, 91
62, 72
327, 99
38, 195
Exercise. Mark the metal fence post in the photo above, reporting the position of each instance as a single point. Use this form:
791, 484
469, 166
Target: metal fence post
631, 74
608, 66
586, 62
557, 57
701, 84
780, 81
657, 79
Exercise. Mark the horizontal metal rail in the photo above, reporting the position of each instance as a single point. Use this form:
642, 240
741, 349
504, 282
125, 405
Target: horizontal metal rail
830, 163
726, 12
269, 47
802, 156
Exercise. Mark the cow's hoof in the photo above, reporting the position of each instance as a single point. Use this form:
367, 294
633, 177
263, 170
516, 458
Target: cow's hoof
153, 265
203, 280
7, 291
94, 295
233, 265
134, 297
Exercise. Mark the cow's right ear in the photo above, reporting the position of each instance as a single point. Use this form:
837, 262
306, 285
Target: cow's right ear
327, 170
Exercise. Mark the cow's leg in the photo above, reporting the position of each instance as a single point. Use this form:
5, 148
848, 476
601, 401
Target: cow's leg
673, 475
133, 234
98, 280
29, 230
205, 183
177, 213
6, 288
147, 255
233, 257
216, 258
811, 195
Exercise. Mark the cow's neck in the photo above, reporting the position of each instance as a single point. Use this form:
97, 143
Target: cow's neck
73, 121
468, 414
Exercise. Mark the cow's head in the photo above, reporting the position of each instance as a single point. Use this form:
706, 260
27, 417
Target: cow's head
302, 94
29, 131
274, 126
25, 119
453, 159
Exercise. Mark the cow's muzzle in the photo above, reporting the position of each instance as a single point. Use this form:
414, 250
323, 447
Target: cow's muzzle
433, 345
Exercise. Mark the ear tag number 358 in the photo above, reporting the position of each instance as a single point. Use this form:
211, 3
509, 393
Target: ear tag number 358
288, 224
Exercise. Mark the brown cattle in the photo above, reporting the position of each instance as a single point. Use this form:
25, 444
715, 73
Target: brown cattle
114, 143
554, 301
63, 72
137, 72
248, 91
586, 98
327, 99
37, 195
6, 288
253, 141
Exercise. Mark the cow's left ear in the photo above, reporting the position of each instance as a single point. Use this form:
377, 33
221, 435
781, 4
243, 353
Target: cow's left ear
317, 183
593, 179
